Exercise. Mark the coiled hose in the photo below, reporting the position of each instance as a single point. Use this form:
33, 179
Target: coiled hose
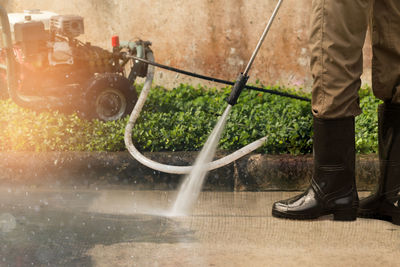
171, 168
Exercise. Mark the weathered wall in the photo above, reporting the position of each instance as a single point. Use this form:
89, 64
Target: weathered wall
212, 37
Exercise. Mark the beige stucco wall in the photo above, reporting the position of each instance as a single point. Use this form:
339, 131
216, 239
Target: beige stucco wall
212, 37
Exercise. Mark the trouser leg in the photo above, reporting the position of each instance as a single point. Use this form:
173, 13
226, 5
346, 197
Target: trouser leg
338, 29
385, 31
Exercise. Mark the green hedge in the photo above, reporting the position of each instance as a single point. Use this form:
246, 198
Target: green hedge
180, 120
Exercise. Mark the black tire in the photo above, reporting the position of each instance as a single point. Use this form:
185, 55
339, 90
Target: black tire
109, 97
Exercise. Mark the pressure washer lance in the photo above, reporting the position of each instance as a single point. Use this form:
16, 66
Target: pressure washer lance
193, 183
243, 77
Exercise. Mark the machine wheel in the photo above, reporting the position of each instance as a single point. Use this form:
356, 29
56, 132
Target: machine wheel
109, 97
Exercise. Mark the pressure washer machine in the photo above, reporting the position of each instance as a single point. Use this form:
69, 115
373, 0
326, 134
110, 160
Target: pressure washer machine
43, 66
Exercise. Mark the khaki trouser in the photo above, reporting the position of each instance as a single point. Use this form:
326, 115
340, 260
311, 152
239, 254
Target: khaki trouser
338, 29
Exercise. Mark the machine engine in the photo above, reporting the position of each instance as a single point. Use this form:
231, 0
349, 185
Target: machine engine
53, 59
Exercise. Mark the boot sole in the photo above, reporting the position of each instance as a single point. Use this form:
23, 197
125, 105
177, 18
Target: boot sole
383, 216
338, 215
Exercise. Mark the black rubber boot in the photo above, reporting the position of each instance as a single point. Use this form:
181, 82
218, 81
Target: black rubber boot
333, 188
384, 203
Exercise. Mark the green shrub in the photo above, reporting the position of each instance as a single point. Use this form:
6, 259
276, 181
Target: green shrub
367, 123
181, 120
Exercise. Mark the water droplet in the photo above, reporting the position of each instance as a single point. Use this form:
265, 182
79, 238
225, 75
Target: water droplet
7, 222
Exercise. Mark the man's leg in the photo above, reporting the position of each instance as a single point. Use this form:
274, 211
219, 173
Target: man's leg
385, 29
338, 29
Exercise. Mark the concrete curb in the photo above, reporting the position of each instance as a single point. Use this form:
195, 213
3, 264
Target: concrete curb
255, 172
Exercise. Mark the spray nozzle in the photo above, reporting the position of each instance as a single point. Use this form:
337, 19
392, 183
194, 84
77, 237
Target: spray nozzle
237, 89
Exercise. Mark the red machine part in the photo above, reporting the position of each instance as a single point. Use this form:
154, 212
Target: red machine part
115, 41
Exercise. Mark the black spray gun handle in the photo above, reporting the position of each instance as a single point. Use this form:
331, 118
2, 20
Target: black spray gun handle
237, 89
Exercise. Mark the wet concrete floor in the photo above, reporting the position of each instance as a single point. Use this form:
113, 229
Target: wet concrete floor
98, 227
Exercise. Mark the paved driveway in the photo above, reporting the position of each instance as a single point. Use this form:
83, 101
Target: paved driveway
97, 227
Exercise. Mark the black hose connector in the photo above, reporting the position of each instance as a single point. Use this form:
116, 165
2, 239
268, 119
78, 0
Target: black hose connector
237, 89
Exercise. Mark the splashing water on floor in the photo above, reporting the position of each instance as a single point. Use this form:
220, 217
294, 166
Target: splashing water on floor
192, 184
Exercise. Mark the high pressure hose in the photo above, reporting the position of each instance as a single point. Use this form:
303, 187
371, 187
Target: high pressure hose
171, 168
232, 99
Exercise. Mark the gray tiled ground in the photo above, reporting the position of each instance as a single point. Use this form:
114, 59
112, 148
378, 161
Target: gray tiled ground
66, 227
